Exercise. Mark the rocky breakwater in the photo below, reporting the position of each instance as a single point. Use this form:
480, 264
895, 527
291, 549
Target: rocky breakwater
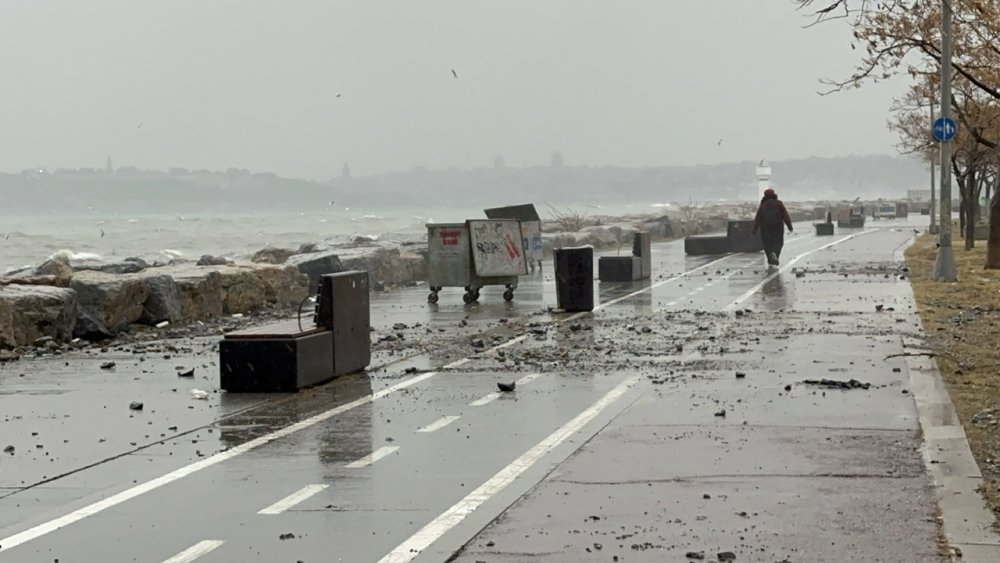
56, 302
386, 263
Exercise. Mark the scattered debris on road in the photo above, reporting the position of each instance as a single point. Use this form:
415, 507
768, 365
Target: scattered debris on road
507, 387
837, 384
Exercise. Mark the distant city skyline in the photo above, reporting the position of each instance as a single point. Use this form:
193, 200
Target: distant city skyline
301, 87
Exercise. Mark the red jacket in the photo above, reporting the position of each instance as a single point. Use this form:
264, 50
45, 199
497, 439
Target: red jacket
781, 209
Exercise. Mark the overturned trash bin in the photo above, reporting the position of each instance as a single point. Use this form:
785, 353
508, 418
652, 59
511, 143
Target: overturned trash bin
575, 278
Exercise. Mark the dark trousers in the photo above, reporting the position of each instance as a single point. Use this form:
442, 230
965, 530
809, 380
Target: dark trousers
773, 240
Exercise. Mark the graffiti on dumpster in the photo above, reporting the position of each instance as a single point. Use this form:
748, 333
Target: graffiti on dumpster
497, 248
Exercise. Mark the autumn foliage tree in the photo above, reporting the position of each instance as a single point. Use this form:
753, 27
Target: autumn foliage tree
897, 37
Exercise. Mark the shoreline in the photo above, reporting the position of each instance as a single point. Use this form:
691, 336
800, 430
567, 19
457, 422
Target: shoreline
65, 303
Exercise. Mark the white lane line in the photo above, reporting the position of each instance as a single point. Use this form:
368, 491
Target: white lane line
785, 268
485, 400
142, 488
439, 423
372, 457
292, 499
528, 378
646, 289
430, 533
195, 551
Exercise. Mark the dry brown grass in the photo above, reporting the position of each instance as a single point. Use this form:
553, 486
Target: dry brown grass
962, 323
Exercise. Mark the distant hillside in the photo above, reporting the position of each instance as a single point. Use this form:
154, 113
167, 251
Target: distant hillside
181, 191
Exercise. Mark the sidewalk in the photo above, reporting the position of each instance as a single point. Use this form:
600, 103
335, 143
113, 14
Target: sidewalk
792, 472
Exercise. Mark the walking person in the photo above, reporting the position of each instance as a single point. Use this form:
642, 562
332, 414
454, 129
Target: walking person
771, 219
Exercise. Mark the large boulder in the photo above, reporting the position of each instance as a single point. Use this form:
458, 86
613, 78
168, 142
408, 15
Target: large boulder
209, 260
29, 312
316, 265
242, 291
163, 300
127, 266
283, 286
113, 300
271, 255
200, 291
90, 329
57, 267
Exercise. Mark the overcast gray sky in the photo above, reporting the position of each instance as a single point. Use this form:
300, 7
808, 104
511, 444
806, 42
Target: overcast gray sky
253, 84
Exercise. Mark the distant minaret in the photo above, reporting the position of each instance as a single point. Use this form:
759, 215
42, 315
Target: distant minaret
763, 177
345, 172
108, 168
557, 160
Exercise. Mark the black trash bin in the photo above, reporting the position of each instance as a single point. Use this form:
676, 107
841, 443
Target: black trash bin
575, 278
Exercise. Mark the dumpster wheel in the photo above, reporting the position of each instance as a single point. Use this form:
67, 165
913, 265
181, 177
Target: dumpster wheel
470, 296
508, 295
433, 297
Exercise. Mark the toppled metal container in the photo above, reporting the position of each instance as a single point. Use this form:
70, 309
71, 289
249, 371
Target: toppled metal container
473, 255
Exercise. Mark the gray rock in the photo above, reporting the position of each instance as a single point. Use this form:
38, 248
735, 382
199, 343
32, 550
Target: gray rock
163, 301
124, 267
58, 267
90, 329
110, 298
30, 312
307, 248
316, 265
208, 260
272, 255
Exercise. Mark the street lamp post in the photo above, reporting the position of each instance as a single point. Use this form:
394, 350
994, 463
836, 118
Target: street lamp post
944, 267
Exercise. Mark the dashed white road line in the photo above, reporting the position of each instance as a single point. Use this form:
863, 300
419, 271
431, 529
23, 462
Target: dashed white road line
195, 551
372, 457
439, 423
430, 533
292, 499
528, 378
485, 400
35, 532
750, 292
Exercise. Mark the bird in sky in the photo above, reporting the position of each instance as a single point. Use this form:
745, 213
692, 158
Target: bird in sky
102, 233
141, 123
453, 73
720, 142
338, 94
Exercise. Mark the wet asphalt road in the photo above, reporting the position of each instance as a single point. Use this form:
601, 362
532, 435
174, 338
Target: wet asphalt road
610, 447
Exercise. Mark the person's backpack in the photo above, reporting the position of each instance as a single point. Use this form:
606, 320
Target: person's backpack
770, 215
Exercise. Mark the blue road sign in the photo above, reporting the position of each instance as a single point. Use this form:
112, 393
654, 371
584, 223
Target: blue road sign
944, 129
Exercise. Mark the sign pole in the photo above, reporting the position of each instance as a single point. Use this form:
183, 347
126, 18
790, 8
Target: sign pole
944, 267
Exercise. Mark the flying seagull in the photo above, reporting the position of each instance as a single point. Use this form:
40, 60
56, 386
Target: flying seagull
338, 94
141, 123
453, 73
102, 233
720, 142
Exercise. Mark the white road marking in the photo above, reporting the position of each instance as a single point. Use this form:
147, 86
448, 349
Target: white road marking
430, 533
749, 293
646, 289
439, 423
142, 488
485, 400
528, 378
372, 457
195, 551
292, 499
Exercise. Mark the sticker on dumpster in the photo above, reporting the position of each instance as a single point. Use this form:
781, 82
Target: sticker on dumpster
497, 248
450, 238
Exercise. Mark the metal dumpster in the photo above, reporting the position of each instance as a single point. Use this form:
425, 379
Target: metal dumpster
473, 255
531, 229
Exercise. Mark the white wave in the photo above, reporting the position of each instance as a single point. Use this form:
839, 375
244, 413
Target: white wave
76, 256
133, 220
171, 253
372, 217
